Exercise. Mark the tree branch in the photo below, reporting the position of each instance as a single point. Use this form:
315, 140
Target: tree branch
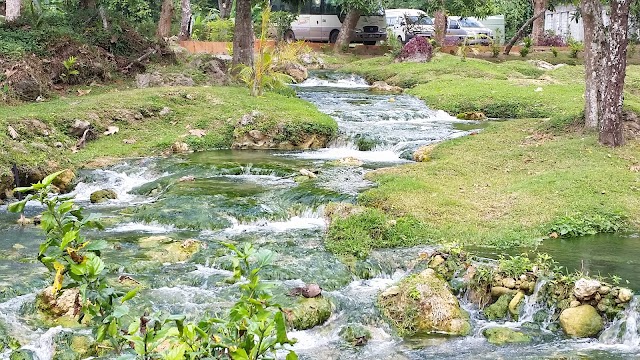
521, 31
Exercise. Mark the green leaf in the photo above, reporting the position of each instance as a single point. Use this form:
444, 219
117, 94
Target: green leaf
78, 269
96, 245
120, 311
67, 238
65, 207
49, 179
101, 332
130, 295
292, 356
17, 207
95, 265
239, 354
23, 189
281, 328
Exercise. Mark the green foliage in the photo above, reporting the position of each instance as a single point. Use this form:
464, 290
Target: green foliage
282, 21
263, 74
495, 44
215, 30
371, 229
514, 266
364, 6
554, 51
587, 224
464, 8
395, 45
524, 51
516, 13
574, 47
69, 69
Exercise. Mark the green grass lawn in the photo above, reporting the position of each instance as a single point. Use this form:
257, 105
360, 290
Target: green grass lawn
137, 114
514, 183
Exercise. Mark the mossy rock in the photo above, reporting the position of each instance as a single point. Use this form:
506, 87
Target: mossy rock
499, 309
472, 115
355, 334
6, 340
516, 304
70, 346
163, 249
309, 312
424, 303
23, 354
581, 321
501, 336
102, 195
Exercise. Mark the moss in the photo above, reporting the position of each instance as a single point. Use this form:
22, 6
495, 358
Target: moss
309, 312
70, 346
501, 336
355, 334
23, 354
102, 196
423, 303
500, 309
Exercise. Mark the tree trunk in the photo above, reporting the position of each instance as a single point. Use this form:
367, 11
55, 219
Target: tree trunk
103, 17
164, 24
538, 24
348, 25
611, 123
12, 9
591, 11
521, 32
225, 8
440, 26
243, 34
185, 23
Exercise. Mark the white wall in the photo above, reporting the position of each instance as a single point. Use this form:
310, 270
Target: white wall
560, 21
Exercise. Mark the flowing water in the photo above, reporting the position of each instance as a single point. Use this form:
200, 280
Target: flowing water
240, 196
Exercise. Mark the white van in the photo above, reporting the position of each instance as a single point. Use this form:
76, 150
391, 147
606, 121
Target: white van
405, 24
321, 20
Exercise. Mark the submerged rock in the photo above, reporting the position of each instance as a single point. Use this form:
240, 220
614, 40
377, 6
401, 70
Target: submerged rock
581, 321
383, 87
309, 312
472, 115
355, 334
424, 303
69, 346
23, 354
102, 196
348, 161
163, 249
503, 335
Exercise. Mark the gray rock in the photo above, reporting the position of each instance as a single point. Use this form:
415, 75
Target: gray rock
586, 288
79, 127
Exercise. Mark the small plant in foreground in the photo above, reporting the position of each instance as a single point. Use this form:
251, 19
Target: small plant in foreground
554, 51
584, 224
69, 69
575, 47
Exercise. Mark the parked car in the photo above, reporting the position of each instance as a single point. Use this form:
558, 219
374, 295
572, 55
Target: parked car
321, 20
405, 24
470, 29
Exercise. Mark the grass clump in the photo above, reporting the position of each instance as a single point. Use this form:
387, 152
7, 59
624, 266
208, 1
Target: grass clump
370, 229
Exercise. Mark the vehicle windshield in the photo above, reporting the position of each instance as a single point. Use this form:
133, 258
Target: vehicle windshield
468, 22
419, 20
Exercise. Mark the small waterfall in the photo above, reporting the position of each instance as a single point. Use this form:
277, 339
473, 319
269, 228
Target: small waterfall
624, 330
533, 304
119, 181
336, 81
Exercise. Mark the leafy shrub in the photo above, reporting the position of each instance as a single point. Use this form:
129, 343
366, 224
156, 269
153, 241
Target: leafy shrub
220, 30
550, 38
395, 45
417, 49
514, 266
586, 224
524, 51
575, 47
554, 51
282, 21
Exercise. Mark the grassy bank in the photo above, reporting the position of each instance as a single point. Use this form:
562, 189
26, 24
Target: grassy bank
514, 183
44, 138
510, 89
510, 185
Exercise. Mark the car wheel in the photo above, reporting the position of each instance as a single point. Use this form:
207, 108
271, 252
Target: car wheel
333, 37
289, 37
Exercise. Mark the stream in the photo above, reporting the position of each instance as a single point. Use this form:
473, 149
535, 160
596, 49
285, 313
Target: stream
252, 196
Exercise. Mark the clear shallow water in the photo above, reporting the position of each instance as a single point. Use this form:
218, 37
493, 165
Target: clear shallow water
239, 196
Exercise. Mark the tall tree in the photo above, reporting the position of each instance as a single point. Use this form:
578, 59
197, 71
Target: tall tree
12, 9
164, 24
605, 67
185, 22
225, 8
353, 10
243, 37
538, 24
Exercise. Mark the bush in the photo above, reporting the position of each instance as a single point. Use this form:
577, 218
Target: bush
575, 47
550, 38
282, 21
417, 49
219, 30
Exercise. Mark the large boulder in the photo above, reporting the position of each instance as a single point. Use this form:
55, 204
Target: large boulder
309, 312
64, 181
102, 195
503, 335
424, 303
581, 321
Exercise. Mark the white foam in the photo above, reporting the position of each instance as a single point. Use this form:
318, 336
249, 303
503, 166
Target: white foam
120, 182
352, 82
375, 156
151, 228
294, 223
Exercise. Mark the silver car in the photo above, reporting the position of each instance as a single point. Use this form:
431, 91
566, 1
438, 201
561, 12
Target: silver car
470, 29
